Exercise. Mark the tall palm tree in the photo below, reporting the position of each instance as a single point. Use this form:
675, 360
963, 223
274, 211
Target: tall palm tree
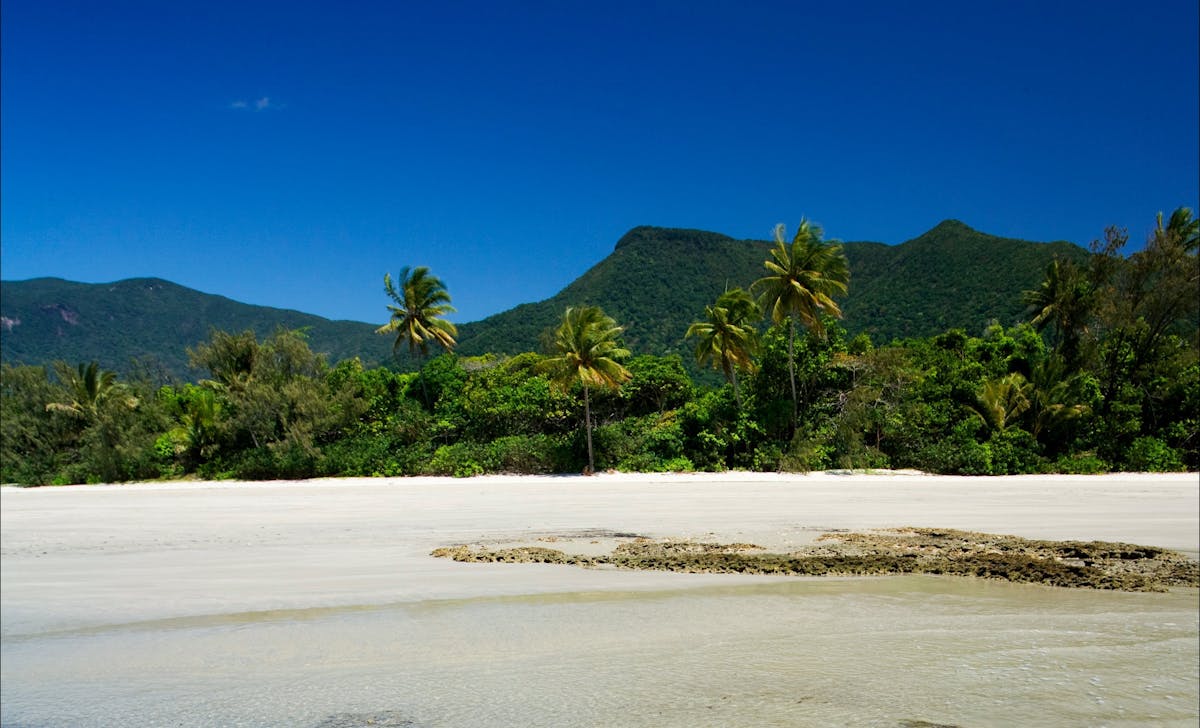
421, 302
727, 337
802, 280
589, 348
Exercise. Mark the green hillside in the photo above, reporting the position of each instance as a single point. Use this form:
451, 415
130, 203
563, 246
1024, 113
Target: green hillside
950, 277
658, 280
655, 282
150, 320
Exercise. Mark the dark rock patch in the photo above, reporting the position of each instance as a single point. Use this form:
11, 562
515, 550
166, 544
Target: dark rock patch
1080, 564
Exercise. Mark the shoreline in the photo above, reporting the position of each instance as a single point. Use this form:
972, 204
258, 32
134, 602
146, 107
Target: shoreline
750, 476
107, 554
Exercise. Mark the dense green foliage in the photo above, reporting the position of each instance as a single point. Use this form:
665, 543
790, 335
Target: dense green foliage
1103, 374
950, 277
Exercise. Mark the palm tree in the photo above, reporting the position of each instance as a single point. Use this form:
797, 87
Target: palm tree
1063, 300
727, 338
88, 387
201, 418
421, 301
999, 403
1053, 399
803, 278
1182, 228
589, 347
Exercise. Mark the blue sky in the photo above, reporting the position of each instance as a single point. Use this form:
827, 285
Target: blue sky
291, 153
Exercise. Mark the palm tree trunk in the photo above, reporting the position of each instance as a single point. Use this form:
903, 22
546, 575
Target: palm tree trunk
792, 368
421, 374
587, 422
737, 397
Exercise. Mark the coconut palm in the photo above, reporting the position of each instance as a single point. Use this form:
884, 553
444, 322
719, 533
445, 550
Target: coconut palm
589, 348
201, 418
804, 276
727, 337
1053, 399
88, 387
1063, 300
999, 403
1182, 228
421, 302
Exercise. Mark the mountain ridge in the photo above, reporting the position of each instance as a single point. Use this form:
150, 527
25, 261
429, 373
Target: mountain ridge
655, 282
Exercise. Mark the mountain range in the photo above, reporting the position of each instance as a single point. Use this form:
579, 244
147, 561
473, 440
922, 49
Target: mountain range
655, 282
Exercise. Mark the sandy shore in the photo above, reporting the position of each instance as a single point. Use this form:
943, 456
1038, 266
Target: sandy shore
102, 555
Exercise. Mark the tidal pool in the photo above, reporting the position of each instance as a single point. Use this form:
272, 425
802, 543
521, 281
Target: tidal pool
883, 651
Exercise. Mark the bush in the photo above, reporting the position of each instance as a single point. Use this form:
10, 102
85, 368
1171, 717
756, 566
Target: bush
1015, 451
373, 455
716, 434
462, 460
767, 457
1082, 463
539, 454
653, 443
863, 457
808, 451
958, 454
1152, 455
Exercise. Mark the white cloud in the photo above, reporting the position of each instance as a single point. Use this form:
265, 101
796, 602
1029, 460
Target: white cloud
262, 104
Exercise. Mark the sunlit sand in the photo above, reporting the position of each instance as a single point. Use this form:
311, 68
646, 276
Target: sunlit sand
99, 554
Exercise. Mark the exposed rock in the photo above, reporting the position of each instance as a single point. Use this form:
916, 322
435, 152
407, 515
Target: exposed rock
1087, 564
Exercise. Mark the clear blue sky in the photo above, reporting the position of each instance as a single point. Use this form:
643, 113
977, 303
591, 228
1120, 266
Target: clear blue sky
291, 153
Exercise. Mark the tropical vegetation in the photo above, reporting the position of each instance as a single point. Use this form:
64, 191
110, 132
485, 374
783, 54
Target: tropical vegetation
1102, 373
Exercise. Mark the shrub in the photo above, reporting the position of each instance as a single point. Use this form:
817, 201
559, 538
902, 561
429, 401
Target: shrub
1082, 463
528, 454
958, 454
653, 443
1152, 455
462, 460
373, 455
1014, 451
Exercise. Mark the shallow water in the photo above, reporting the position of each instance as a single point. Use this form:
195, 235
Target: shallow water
796, 652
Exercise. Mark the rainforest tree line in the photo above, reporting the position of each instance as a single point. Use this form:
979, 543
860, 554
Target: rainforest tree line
1103, 375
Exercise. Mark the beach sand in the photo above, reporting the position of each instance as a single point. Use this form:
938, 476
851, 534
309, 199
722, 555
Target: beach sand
318, 603
82, 556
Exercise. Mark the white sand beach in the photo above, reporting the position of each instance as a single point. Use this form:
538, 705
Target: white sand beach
95, 560
93, 554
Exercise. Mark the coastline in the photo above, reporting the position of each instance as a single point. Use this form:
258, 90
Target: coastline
105, 554
295, 603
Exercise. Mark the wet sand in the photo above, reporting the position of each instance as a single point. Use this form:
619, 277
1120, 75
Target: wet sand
83, 556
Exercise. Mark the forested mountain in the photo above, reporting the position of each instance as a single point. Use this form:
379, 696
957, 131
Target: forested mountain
152, 321
655, 282
950, 277
658, 280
